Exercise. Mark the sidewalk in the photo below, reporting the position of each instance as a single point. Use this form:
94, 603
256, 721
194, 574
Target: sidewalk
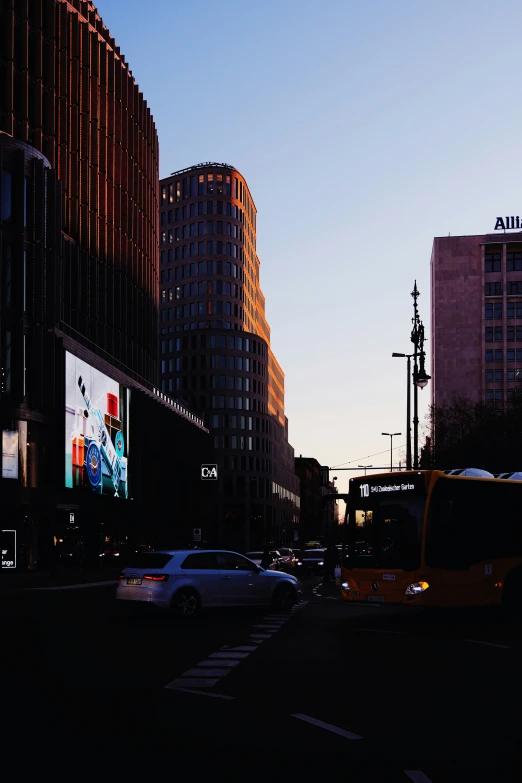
72, 578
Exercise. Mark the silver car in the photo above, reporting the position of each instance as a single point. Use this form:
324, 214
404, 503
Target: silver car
185, 581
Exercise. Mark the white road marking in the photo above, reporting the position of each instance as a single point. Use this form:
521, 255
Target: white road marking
327, 726
261, 636
186, 682
268, 627
331, 598
220, 663
226, 654
275, 620
200, 693
378, 630
487, 644
417, 776
203, 672
71, 587
243, 648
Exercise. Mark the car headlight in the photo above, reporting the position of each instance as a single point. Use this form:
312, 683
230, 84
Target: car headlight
415, 588
298, 563
320, 563
345, 586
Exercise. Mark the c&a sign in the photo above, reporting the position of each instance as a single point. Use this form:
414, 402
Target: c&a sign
209, 472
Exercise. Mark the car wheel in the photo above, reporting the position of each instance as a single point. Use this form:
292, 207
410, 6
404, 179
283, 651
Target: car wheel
185, 604
284, 598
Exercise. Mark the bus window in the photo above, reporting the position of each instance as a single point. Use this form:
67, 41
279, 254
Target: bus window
472, 521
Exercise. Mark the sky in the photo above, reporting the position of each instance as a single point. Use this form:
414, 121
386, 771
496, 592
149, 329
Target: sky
364, 130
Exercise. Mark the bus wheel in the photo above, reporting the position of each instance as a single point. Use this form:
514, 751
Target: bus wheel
512, 596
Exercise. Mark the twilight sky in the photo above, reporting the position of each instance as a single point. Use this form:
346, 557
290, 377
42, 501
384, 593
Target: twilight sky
364, 129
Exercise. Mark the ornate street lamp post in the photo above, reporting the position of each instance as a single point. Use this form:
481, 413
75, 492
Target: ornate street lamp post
420, 377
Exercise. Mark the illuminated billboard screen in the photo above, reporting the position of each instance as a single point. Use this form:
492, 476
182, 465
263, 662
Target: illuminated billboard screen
96, 430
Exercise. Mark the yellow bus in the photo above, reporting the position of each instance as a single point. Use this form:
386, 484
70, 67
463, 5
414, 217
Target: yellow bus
426, 538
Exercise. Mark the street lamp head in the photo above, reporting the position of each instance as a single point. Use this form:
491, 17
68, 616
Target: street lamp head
422, 379
397, 433
402, 355
386, 433
334, 478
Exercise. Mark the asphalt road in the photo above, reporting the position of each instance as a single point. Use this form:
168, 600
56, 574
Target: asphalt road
397, 695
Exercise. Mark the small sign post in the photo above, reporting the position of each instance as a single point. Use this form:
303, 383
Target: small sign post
197, 534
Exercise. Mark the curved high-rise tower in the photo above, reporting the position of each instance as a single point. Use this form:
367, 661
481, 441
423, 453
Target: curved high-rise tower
215, 347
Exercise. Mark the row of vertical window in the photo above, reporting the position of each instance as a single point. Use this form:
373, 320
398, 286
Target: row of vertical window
202, 325
233, 422
242, 443
243, 364
202, 208
207, 249
494, 333
195, 269
498, 394
493, 262
202, 308
215, 401
494, 310
498, 375
207, 185
204, 341
259, 464
496, 355
513, 288
200, 229
207, 287
200, 185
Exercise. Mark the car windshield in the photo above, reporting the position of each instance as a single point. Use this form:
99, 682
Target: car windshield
286, 552
315, 553
254, 555
386, 522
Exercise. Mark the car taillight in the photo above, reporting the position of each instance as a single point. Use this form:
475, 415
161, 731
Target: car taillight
122, 576
156, 577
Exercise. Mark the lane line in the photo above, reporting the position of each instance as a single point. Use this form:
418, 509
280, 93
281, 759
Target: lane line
225, 654
327, 726
200, 693
69, 587
221, 662
267, 627
331, 598
206, 672
243, 648
487, 644
185, 682
261, 636
378, 630
417, 776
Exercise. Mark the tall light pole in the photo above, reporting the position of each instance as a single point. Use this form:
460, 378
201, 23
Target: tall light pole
409, 357
420, 377
391, 434
365, 467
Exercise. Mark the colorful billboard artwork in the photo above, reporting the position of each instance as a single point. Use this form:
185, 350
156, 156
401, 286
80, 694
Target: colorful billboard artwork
96, 430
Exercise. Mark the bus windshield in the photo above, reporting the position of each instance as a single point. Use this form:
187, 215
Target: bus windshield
385, 522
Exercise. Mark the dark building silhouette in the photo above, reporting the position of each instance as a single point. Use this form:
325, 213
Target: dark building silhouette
215, 349
80, 405
319, 516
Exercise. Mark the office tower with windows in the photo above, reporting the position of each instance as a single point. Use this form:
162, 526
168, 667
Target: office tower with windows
476, 317
215, 348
